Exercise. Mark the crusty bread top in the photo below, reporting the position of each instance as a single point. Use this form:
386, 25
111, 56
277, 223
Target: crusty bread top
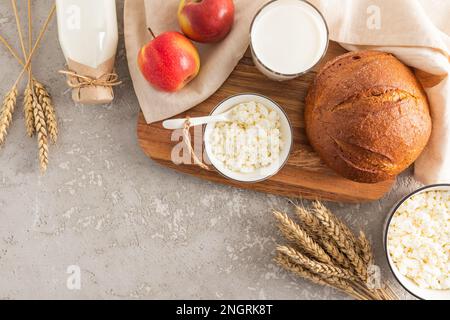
367, 116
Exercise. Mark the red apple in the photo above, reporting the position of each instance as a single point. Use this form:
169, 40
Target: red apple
206, 20
169, 61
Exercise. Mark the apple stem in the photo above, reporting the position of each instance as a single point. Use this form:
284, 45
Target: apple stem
151, 32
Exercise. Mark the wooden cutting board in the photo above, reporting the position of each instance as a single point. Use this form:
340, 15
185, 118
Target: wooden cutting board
304, 176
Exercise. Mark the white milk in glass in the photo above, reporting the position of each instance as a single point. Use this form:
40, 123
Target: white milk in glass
288, 37
88, 36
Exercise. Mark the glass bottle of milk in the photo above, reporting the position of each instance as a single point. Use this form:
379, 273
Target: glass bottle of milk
88, 36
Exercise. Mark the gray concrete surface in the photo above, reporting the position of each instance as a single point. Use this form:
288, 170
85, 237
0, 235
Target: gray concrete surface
135, 229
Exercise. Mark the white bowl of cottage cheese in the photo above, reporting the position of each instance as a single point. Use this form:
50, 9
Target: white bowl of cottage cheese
417, 242
255, 144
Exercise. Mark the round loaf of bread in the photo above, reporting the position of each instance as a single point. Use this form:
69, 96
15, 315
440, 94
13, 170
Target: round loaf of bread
367, 116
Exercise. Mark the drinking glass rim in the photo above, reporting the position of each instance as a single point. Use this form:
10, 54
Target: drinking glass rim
292, 74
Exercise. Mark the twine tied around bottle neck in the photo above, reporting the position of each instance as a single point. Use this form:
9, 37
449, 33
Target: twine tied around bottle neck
187, 140
78, 81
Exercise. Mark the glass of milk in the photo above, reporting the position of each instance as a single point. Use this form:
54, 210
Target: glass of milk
288, 38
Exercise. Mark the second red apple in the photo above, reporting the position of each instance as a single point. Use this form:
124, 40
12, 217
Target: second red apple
169, 61
206, 20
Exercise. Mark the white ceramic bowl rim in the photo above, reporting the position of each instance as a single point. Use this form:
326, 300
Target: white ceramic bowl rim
393, 268
291, 141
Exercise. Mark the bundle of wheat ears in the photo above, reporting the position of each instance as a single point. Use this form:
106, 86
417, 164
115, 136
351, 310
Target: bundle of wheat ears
39, 112
324, 250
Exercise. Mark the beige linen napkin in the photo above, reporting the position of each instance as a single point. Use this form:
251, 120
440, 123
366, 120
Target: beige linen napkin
217, 60
418, 33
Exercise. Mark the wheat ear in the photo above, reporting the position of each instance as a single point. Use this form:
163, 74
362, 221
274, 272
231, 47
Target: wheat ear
315, 266
28, 109
365, 249
8, 106
342, 226
295, 233
334, 228
41, 132
334, 282
46, 102
313, 226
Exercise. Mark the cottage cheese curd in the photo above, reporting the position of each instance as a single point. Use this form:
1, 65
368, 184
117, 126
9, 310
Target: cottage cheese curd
252, 140
419, 239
